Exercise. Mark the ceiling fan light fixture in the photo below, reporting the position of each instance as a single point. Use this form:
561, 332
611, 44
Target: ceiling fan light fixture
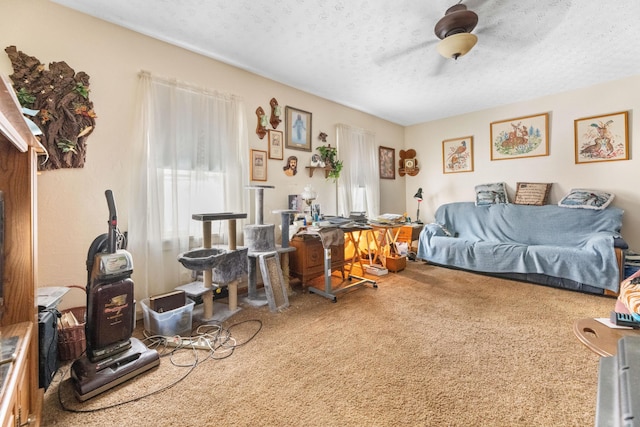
456, 45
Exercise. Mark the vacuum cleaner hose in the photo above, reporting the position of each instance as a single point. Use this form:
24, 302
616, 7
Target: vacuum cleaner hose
113, 221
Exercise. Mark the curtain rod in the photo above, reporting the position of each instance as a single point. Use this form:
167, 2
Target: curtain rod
355, 128
188, 86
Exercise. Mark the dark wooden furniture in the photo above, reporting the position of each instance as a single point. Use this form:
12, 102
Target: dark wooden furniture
307, 262
21, 397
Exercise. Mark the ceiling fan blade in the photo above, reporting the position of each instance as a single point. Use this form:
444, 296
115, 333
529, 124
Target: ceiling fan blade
396, 55
441, 65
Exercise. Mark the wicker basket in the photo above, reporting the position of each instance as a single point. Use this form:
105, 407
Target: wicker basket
71, 340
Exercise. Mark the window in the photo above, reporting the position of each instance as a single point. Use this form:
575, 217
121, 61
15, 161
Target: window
192, 153
359, 184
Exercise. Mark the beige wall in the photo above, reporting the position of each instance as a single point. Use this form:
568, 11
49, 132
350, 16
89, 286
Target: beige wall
619, 177
72, 207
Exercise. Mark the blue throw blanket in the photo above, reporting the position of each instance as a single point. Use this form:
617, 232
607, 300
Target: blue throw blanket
575, 244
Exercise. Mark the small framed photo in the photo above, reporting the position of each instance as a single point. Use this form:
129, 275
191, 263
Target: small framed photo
387, 162
276, 145
602, 138
520, 137
258, 165
457, 155
298, 127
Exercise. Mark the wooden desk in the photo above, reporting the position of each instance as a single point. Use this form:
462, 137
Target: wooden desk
354, 235
385, 237
410, 233
600, 338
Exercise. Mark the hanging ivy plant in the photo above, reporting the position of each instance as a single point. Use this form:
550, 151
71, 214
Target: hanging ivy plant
329, 156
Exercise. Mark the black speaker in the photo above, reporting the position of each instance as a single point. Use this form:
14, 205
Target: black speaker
48, 346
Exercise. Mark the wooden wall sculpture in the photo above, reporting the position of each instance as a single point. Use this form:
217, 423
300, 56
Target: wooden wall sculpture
408, 164
65, 113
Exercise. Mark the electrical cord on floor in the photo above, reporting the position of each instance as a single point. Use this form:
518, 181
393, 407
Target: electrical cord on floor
220, 339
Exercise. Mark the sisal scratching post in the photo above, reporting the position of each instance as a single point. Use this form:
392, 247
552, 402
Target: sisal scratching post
207, 297
233, 295
233, 286
285, 216
284, 264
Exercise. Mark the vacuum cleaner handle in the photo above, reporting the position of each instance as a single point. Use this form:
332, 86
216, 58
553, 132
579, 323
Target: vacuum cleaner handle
113, 222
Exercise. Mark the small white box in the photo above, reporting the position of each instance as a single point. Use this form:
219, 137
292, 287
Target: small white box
168, 323
376, 270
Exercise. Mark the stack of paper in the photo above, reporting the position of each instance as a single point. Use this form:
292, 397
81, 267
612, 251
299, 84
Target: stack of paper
389, 219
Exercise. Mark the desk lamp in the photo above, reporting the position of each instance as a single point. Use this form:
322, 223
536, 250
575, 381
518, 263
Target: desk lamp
418, 197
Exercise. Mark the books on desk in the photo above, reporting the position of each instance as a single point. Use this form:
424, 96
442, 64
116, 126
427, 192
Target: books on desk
389, 219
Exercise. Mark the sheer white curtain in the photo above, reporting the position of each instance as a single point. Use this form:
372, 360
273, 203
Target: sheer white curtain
358, 185
191, 159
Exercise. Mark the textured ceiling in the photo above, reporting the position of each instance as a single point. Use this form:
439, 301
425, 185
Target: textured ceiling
379, 56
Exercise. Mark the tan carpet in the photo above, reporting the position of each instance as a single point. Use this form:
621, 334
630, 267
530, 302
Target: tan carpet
430, 347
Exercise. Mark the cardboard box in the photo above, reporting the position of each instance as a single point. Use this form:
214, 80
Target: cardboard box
396, 263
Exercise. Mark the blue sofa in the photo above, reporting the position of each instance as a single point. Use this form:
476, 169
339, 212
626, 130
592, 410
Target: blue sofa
579, 249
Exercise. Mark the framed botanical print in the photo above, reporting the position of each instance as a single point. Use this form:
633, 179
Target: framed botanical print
602, 138
520, 137
387, 162
258, 165
276, 145
298, 128
457, 155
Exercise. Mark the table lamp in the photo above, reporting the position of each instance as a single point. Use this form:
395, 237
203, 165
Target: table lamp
309, 195
418, 197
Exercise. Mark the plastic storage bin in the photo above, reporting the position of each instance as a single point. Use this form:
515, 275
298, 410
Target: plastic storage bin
168, 323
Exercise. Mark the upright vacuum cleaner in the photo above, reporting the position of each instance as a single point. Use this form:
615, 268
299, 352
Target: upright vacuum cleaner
113, 356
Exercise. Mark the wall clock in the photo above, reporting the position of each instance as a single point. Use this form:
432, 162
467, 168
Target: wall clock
408, 163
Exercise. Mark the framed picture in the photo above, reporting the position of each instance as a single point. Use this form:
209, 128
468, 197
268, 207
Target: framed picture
457, 155
258, 165
521, 137
602, 138
387, 162
276, 145
298, 125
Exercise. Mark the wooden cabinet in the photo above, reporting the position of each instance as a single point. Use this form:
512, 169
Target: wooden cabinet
16, 377
410, 233
307, 262
18, 168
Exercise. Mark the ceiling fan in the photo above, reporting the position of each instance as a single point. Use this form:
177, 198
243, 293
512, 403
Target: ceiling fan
454, 31
500, 29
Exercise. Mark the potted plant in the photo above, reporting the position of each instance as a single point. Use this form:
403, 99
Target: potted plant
329, 156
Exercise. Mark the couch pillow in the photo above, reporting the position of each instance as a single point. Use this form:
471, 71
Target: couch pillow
532, 193
586, 199
490, 194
